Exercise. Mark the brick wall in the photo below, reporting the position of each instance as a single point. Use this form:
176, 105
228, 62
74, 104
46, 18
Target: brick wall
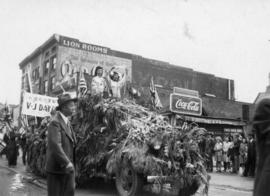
170, 76
226, 109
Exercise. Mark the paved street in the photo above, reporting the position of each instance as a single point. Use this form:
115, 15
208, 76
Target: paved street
17, 182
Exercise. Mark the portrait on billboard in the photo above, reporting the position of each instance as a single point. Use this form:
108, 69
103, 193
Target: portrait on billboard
116, 71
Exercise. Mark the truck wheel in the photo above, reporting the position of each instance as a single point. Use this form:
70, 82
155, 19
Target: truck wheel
128, 182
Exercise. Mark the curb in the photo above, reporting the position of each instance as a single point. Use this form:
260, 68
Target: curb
29, 179
232, 187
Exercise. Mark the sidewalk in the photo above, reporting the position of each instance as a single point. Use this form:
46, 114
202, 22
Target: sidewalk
232, 181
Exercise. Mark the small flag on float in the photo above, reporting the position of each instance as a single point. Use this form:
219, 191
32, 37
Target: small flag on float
82, 85
154, 95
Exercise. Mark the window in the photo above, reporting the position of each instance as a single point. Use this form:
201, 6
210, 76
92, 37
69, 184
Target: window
46, 67
46, 87
53, 61
53, 49
23, 82
47, 54
52, 83
35, 74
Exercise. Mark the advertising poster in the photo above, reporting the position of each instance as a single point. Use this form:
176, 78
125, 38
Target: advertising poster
72, 61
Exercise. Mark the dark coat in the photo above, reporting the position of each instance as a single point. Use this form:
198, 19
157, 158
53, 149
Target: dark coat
252, 150
12, 150
261, 126
61, 146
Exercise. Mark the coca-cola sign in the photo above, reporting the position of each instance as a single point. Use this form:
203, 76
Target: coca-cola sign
185, 104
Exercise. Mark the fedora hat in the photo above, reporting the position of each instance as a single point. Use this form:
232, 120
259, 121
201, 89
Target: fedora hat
63, 99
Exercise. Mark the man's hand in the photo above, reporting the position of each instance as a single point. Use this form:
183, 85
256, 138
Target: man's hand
70, 167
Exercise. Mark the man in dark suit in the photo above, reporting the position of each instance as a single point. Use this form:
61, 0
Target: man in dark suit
251, 157
61, 150
261, 127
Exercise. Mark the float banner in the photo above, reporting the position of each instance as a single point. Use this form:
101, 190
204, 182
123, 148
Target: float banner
38, 105
185, 104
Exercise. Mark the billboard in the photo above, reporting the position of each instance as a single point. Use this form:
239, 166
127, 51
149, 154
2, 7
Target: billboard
185, 104
74, 60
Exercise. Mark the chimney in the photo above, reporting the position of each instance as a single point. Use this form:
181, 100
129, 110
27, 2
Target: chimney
268, 87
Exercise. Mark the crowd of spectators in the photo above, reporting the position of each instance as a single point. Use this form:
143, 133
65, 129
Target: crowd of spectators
230, 154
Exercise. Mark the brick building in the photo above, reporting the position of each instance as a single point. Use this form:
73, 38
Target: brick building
56, 65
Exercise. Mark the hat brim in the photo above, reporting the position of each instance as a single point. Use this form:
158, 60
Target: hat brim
66, 101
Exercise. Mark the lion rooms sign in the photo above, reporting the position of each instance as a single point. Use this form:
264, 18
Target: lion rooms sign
185, 104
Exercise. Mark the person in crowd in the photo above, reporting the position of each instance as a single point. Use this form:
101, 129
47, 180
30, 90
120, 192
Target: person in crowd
6, 140
218, 153
99, 85
2, 147
261, 127
60, 157
23, 146
116, 83
201, 144
226, 160
251, 157
243, 155
209, 151
12, 149
236, 153
230, 154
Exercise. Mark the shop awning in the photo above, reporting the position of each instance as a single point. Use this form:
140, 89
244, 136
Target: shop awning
213, 120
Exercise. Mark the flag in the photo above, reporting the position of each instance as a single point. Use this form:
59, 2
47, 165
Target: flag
82, 85
154, 95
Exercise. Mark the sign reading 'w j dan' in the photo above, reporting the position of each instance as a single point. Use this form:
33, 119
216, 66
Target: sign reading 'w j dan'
185, 104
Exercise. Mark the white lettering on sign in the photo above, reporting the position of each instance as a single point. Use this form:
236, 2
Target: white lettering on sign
191, 106
38, 105
84, 46
71, 43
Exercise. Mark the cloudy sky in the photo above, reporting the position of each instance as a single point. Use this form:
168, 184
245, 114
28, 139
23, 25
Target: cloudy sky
228, 38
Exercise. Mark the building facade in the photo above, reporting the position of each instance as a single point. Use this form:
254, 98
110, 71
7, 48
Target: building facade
55, 66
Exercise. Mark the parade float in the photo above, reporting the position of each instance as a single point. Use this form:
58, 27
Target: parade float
124, 141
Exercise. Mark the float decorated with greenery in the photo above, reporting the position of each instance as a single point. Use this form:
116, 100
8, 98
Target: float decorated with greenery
123, 140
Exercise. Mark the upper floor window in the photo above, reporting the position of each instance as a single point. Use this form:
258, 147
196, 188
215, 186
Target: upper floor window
46, 87
23, 82
52, 83
53, 61
47, 54
53, 49
35, 74
46, 67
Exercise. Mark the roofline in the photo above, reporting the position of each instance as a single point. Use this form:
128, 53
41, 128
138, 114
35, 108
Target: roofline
154, 61
241, 102
39, 49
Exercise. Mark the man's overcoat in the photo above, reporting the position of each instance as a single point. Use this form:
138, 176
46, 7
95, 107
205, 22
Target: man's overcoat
261, 126
60, 151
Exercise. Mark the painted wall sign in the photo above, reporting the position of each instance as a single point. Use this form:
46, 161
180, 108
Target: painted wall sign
72, 60
73, 43
38, 105
184, 104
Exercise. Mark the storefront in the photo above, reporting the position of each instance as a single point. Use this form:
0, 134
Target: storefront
187, 106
